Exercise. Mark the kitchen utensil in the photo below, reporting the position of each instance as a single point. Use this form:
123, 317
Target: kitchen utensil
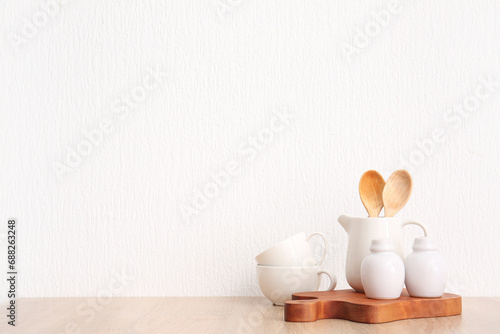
371, 187
397, 192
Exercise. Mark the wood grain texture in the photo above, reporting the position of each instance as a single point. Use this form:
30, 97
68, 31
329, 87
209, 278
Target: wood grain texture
355, 306
219, 315
397, 192
371, 188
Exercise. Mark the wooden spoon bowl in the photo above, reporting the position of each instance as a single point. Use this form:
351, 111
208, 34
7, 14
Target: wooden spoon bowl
371, 187
397, 192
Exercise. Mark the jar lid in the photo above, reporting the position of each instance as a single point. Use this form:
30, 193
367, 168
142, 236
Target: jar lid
424, 244
382, 245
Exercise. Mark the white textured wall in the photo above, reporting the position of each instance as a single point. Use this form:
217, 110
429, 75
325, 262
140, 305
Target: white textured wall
226, 69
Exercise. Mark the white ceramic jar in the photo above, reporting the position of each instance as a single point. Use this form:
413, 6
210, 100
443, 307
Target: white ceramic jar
382, 271
361, 232
426, 270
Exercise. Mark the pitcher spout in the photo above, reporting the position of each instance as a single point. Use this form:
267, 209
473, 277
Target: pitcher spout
344, 220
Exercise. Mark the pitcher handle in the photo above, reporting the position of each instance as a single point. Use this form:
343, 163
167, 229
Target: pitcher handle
412, 222
320, 262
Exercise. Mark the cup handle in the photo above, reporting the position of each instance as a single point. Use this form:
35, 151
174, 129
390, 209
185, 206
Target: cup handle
325, 246
332, 277
422, 226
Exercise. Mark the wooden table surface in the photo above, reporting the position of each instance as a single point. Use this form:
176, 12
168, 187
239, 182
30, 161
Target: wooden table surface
218, 315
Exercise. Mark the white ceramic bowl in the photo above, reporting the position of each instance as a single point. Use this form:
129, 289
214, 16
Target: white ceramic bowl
294, 251
278, 283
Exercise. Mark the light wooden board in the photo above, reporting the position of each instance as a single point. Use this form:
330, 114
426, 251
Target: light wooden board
220, 315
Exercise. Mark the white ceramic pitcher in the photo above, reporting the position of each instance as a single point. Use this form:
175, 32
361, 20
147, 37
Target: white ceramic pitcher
361, 231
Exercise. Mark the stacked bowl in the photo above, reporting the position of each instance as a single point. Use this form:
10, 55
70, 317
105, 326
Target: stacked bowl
289, 267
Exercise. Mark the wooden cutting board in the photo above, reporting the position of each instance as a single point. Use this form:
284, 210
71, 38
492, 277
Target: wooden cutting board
355, 306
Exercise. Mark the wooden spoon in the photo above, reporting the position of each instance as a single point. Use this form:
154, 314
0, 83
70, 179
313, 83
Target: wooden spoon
371, 186
397, 192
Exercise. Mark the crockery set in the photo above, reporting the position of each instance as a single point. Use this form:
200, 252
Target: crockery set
375, 264
289, 267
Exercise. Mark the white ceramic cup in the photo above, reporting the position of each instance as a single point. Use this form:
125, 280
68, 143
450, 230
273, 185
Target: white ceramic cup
292, 252
278, 283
